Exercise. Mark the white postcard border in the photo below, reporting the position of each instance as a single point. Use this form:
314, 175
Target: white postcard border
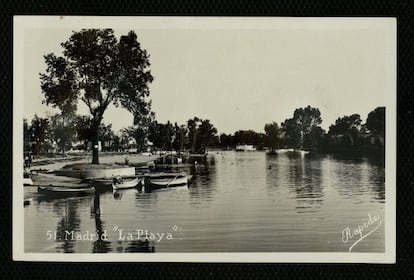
21, 23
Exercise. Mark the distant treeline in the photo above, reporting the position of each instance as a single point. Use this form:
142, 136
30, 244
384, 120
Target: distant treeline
63, 132
348, 135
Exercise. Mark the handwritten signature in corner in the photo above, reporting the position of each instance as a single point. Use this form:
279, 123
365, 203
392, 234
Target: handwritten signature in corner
349, 234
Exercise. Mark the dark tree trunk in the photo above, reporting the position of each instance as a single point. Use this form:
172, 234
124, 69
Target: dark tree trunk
95, 143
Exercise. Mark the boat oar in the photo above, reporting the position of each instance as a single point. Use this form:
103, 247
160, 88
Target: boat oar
174, 179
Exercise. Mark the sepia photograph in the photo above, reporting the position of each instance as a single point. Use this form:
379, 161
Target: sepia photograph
210, 139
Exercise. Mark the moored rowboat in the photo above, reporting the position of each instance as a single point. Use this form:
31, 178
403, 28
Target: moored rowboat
166, 180
124, 183
90, 171
64, 189
40, 179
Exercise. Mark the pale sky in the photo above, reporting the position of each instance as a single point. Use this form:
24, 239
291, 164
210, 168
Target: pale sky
242, 78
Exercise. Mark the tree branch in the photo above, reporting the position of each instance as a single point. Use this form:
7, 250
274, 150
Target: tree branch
87, 102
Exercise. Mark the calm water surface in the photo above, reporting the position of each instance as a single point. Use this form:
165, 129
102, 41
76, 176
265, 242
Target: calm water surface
238, 202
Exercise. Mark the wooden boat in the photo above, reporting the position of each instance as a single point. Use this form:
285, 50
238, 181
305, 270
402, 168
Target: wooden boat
59, 185
89, 171
65, 189
166, 180
124, 182
47, 179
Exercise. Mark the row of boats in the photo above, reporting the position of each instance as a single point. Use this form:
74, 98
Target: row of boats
49, 183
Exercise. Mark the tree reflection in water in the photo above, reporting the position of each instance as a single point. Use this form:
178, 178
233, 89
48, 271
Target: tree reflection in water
70, 222
305, 179
65, 207
377, 180
99, 245
136, 246
203, 186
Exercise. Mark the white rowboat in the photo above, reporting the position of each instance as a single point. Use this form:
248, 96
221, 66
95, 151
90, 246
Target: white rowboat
166, 180
124, 183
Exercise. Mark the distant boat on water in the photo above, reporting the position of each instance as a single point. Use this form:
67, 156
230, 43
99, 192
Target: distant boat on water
245, 148
293, 152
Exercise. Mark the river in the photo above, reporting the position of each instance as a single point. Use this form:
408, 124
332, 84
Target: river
237, 202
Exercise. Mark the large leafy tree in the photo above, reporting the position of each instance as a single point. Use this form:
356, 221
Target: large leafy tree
98, 70
143, 119
249, 137
291, 133
83, 128
346, 124
299, 130
308, 119
201, 133
180, 137
226, 140
347, 130
107, 136
39, 134
376, 124
161, 135
137, 133
376, 121
62, 131
62, 127
207, 135
272, 135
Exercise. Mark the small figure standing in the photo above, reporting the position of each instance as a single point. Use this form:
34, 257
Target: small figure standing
27, 161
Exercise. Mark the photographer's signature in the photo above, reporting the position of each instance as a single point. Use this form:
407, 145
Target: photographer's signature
357, 234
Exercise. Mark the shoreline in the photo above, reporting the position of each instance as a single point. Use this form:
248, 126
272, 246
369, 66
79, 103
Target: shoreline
109, 158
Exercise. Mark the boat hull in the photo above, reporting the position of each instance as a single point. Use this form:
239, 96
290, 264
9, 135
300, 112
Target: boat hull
98, 173
166, 180
47, 179
102, 183
125, 183
65, 190
169, 182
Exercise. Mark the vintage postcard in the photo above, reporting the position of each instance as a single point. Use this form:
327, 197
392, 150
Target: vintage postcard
211, 139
